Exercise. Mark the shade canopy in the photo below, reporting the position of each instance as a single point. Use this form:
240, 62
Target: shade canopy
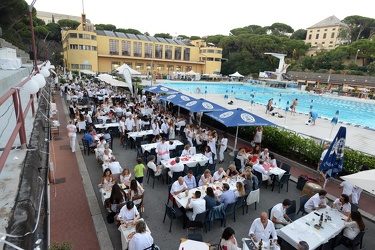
236, 74
201, 105
177, 98
112, 81
191, 73
160, 89
334, 158
125, 66
239, 118
363, 179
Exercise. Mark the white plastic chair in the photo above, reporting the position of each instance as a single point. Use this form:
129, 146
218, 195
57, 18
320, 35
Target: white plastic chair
253, 197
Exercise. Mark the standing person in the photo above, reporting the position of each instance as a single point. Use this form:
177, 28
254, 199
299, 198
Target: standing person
293, 106
326, 147
71, 130
258, 135
347, 188
269, 106
139, 171
223, 147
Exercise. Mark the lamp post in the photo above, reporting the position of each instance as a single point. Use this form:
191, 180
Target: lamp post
355, 60
32, 34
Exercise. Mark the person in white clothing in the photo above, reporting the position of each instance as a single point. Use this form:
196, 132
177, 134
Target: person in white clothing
142, 239
178, 186
223, 147
259, 168
342, 204
353, 225
219, 174
129, 124
178, 167
262, 228
114, 166
316, 202
128, 213
71, 130
186, 151
278, 214
326, 147
151, 164
197, 205
347, 188
162, 150
356, 194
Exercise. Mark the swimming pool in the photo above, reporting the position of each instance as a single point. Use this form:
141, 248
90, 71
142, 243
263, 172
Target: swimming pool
352, 112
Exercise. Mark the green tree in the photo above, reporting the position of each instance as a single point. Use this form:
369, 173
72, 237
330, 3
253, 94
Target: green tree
68, 24
130, 31
360, 27
163, 35
299, 34
194, 38
371, 68
55, 32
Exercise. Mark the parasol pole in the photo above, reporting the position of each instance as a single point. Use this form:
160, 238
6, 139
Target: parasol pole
235, 140
331, 131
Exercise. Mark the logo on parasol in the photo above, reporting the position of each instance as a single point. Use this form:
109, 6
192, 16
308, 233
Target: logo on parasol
247, 118
207, 105
226, 114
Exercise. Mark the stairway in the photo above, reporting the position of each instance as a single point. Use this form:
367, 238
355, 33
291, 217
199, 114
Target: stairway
25, 58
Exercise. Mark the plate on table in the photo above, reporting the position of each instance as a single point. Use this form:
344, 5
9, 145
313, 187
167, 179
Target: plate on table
130, 235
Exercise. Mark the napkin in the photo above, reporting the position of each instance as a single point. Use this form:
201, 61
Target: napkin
178, 196
185, 159
173, 162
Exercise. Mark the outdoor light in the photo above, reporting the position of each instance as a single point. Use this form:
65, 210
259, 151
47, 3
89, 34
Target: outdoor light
45, 72
39, 78
31, 87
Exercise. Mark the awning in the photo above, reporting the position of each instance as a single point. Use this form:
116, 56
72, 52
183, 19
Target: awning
303, 81
311, 82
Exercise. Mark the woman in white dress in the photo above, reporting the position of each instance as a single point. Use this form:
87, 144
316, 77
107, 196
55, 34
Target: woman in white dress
172, 134
71, 130
212, 144
190, 135
223, 147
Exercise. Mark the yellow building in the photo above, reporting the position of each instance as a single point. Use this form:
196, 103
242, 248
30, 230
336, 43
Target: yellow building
104, 51
325, 34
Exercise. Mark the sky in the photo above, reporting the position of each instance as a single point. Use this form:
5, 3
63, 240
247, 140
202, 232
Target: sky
205, 17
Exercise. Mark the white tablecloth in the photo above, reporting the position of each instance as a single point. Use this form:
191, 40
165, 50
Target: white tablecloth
125, 232
190, 161
140, 134
303, 228
193, 245
148, 147
182, 199
107, 125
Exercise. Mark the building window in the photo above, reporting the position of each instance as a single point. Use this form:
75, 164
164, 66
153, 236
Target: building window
125, 48
158, 51
325, 29
93, 37
178, 68
168, 52
177, 53
160, 67
203, 51
324, 35
75, 66
310, 31
323, 42
170, 68
217, 59
84, 47
84, 36
94, 48
139, 66
137, 49
318, 31
114, 65
148, 50
331, 42
218, 52
73, 46
186, 54
113, 47
85, 66
333, 28
317, 36
129, 64
310, 37
333, 35
211, 59
73, 35
210, 51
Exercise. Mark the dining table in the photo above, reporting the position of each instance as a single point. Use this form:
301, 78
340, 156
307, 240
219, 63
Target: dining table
272, 170
127, 231
307, 228
107, 125
187, 244
182, 198
105, 191
190, 161
142, 133
148, 147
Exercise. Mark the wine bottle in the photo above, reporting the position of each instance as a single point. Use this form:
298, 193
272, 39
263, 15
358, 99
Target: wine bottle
260, 244
321, 220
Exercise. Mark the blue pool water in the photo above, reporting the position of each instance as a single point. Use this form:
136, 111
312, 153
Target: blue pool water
356, 113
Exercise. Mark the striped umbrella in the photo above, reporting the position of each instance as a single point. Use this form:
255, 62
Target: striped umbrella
334, 121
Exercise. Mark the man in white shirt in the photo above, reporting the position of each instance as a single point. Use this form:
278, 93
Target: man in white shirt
164, 128
259, 168
178, 167
179, 186
142, 239
342, 204
347, 188
197, 205
278, 215
151, 164
114, 166
265, 155
316, 202
262, 228
219, 174
129, 124
162, 149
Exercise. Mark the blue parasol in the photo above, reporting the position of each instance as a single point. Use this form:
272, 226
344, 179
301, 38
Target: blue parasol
160, 89
239, 118
334, 158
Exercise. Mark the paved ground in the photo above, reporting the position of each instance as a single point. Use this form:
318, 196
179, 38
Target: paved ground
80, 218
